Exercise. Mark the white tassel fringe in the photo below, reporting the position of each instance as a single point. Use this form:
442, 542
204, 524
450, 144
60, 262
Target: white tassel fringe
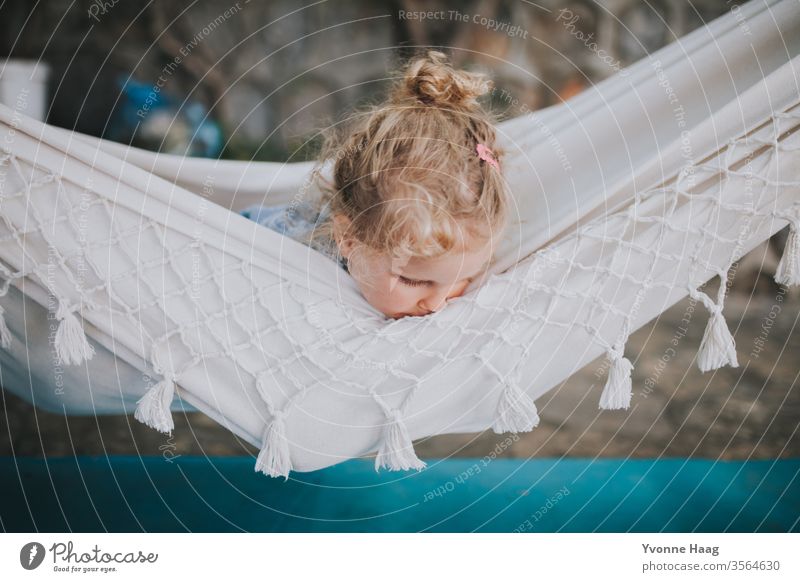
717, 348
153, 409
516, 412
397, 452
788, 271
5, 334
274, 459
618, 389
71, 344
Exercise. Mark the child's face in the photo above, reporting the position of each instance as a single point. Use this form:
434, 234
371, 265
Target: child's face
421, 285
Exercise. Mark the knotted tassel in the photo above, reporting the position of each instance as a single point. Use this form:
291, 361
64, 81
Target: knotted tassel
396, 452
5, 334
618, 389
788, 272
153, 409
274, 459
717, 348
71, 344
516, 412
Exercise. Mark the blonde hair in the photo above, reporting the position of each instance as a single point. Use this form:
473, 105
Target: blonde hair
406, 173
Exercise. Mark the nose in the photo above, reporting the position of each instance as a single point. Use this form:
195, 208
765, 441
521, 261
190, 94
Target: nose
437, 300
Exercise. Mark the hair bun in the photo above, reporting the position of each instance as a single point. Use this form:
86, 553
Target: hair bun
431, 80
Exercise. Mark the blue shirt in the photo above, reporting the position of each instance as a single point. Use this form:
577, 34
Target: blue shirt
297, 222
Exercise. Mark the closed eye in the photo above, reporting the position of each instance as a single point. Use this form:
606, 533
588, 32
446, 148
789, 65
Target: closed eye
411, 282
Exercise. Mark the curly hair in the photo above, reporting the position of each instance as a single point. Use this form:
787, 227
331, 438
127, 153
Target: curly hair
406, 172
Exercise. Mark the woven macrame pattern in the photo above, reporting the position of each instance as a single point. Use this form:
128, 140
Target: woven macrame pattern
219, 325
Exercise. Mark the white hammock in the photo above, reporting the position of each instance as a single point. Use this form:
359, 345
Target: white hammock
643, 188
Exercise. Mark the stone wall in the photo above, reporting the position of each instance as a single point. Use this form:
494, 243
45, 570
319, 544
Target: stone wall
273, 72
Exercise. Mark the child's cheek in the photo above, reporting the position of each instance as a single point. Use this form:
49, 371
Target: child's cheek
397, 290
397, 294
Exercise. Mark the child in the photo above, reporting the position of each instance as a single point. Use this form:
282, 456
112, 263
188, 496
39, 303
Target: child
417, 201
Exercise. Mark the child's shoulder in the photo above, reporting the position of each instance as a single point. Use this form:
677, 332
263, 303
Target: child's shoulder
296, 219
289, 218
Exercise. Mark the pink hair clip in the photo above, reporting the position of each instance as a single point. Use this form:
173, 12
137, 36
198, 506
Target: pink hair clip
486, 155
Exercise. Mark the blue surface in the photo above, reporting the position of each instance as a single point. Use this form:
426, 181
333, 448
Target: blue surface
216, 494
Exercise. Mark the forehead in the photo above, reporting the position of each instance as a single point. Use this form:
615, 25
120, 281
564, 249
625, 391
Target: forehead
460, 263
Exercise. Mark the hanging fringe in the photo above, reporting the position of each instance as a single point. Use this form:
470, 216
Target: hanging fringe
274, 459
618, 390
516, 412
71, 344
397, 452
5, 334
153, 409
788, 272
717, 348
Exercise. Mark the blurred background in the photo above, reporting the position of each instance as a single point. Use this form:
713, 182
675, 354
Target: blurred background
256, 80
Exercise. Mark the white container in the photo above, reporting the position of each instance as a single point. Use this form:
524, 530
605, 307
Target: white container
23, 86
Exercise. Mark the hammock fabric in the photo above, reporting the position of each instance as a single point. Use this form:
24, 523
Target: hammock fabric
130, 283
